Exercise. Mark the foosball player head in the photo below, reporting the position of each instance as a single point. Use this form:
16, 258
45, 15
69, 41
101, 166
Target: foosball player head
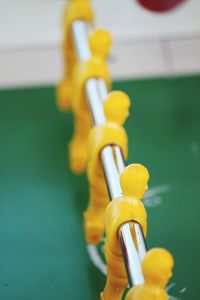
134, 180
116, 107
100, 43
157, 270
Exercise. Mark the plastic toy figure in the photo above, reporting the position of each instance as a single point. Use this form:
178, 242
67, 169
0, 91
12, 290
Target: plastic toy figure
157, 269
129, 207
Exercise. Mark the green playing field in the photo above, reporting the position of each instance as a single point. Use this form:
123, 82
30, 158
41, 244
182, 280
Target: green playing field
42, 249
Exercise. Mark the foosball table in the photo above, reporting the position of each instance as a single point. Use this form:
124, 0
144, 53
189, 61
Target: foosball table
77, 227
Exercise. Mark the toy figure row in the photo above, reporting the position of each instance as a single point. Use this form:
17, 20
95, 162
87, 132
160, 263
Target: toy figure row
84, 149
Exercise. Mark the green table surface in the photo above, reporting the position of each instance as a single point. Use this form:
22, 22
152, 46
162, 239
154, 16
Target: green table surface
42, 250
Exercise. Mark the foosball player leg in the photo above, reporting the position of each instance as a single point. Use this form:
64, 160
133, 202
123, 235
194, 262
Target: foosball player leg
94, 215
64, 94
116, 282
78, 146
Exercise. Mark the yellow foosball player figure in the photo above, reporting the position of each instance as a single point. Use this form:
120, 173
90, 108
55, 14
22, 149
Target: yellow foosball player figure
116, 108
95, 67
157, 269
128, 208
100, 136
74, 10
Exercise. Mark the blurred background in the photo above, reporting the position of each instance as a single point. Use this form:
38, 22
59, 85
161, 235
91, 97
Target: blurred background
145, 43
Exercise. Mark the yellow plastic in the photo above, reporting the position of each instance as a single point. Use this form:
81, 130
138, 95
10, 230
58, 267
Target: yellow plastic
100, 136
116, 107
78, 146
116, 276
157, 269
70, 91
100, 42
64, 94
77, 10
74, 10
134, 180
93, 68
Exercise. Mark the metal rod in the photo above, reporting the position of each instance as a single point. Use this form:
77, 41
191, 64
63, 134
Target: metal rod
111, 158
140, 240
130, 256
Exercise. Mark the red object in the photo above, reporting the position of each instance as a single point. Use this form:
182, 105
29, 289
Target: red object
159, 5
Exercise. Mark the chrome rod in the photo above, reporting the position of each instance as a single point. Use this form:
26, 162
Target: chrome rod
130, 256
141, 243
111, 158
